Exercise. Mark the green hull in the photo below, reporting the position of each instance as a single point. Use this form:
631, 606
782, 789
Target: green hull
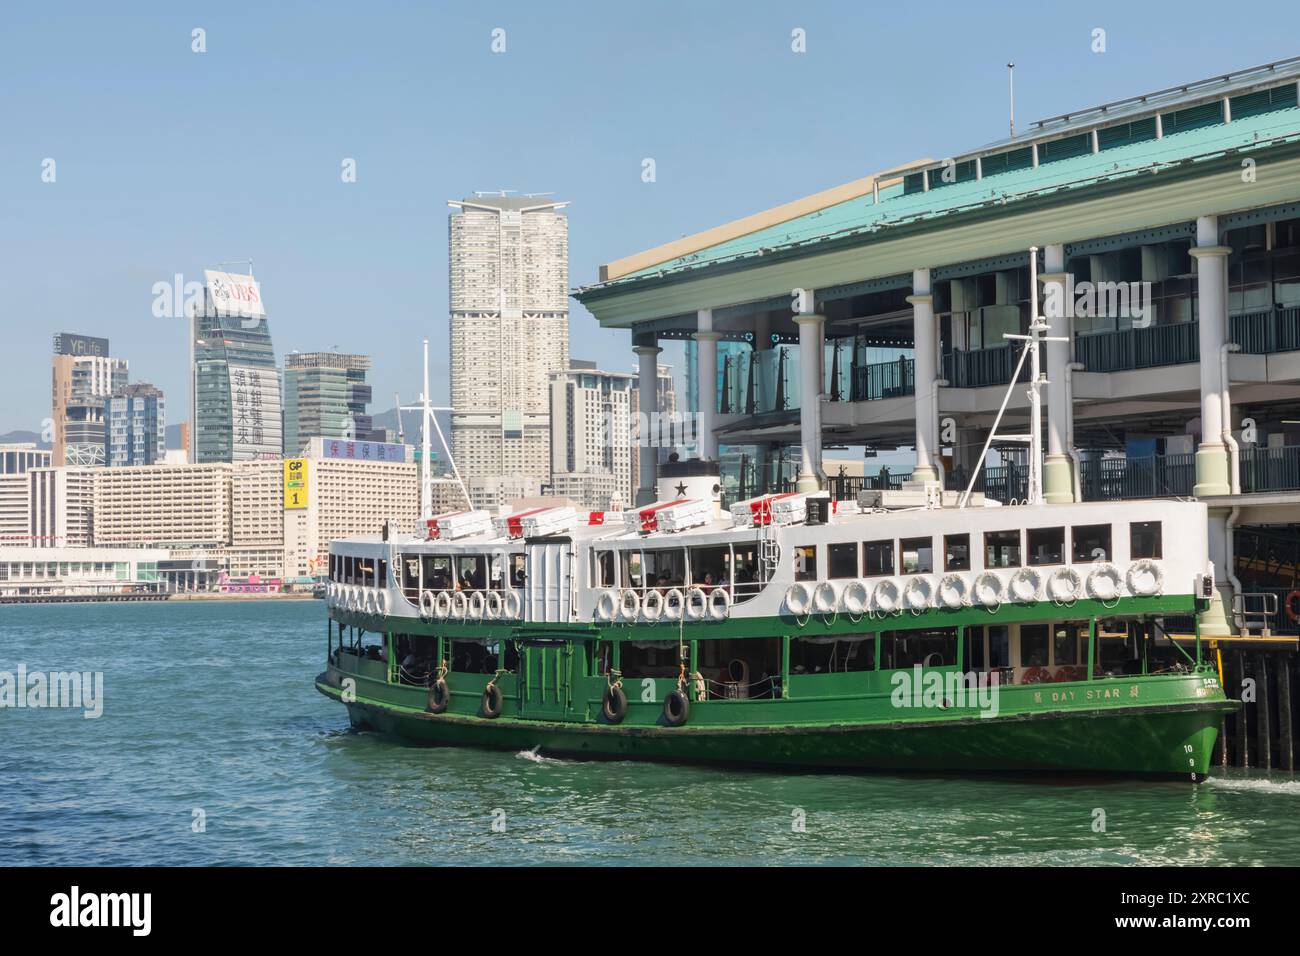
1170, 738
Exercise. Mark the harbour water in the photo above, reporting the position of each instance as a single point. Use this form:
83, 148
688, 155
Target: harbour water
215, 748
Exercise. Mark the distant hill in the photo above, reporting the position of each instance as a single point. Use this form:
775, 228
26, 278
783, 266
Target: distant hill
21, 437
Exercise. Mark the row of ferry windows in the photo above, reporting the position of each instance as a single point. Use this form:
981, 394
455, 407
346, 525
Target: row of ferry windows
364, 572
736, 567
1034, 547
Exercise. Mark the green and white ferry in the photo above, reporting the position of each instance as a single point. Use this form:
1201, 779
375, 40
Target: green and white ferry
917, 629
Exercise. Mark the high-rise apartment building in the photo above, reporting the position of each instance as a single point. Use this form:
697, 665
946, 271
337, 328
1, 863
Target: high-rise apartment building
509, 269
234, 383
84, 376
326, 396
135, 426
18, 457
591, 429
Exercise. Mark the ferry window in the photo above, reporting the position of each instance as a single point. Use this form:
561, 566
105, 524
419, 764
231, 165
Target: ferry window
1033, 645
496, 572
956, 552
747, 572
741, 668
805, 563
1144, 540
437, 572
933, 647
474, 657
1091, 542
917, 555
877, 558
665, 568
843, 560
824, 654
602, 656
518, 564
1002, 549
987, 648
471, 571
1065, 644
709, 566
349, 564
604, 574
410, 565
631, 568
1046, 545
648, 659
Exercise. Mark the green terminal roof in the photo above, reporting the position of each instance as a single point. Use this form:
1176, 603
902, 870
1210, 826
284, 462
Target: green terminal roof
897, 207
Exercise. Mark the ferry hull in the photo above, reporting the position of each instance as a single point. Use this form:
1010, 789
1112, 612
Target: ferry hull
1171, 740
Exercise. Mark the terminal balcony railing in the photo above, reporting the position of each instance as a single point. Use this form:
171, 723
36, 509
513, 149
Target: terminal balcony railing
1267, 330
1270, 469
1159, 476
884, 380
1127, 349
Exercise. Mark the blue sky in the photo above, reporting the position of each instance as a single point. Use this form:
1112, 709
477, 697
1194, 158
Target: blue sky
170, 161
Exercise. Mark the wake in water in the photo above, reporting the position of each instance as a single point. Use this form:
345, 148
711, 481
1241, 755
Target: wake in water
536, 757
1257, 784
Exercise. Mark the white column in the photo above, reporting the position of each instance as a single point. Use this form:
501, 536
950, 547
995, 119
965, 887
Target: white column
648, 395
810, 390
1212, 297
706, 355
1058, 481
926, 349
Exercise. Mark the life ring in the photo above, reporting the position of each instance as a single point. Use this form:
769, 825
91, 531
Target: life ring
606, 605
952, 591
1025, 585
492, 607
381, 602
652, 607
1144, 578
442, 606
1063, 586
629, 605
1289, 605
512, 607
439, 696
330, 592
674, 603
1103, 582
799, 599
719, 604
427, 602
917, 594
459, 604
885, 597
613, 706
826, 597
855, 598
988, 589
492, 702
697, 604
677, 707
477, 603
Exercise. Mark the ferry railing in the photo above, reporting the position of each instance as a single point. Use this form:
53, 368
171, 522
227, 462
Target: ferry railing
1255, 611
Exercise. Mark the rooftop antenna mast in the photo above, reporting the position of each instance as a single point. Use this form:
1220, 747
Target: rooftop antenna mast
401, 432
1011, 92
1034, 494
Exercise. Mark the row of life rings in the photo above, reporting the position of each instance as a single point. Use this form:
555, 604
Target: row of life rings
472, 606
362, 600
988, 589
628, 605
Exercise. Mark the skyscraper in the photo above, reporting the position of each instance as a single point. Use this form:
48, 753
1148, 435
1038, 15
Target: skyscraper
509, 274
325, 396
591, 431
135, 426
234, 383
84, 376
